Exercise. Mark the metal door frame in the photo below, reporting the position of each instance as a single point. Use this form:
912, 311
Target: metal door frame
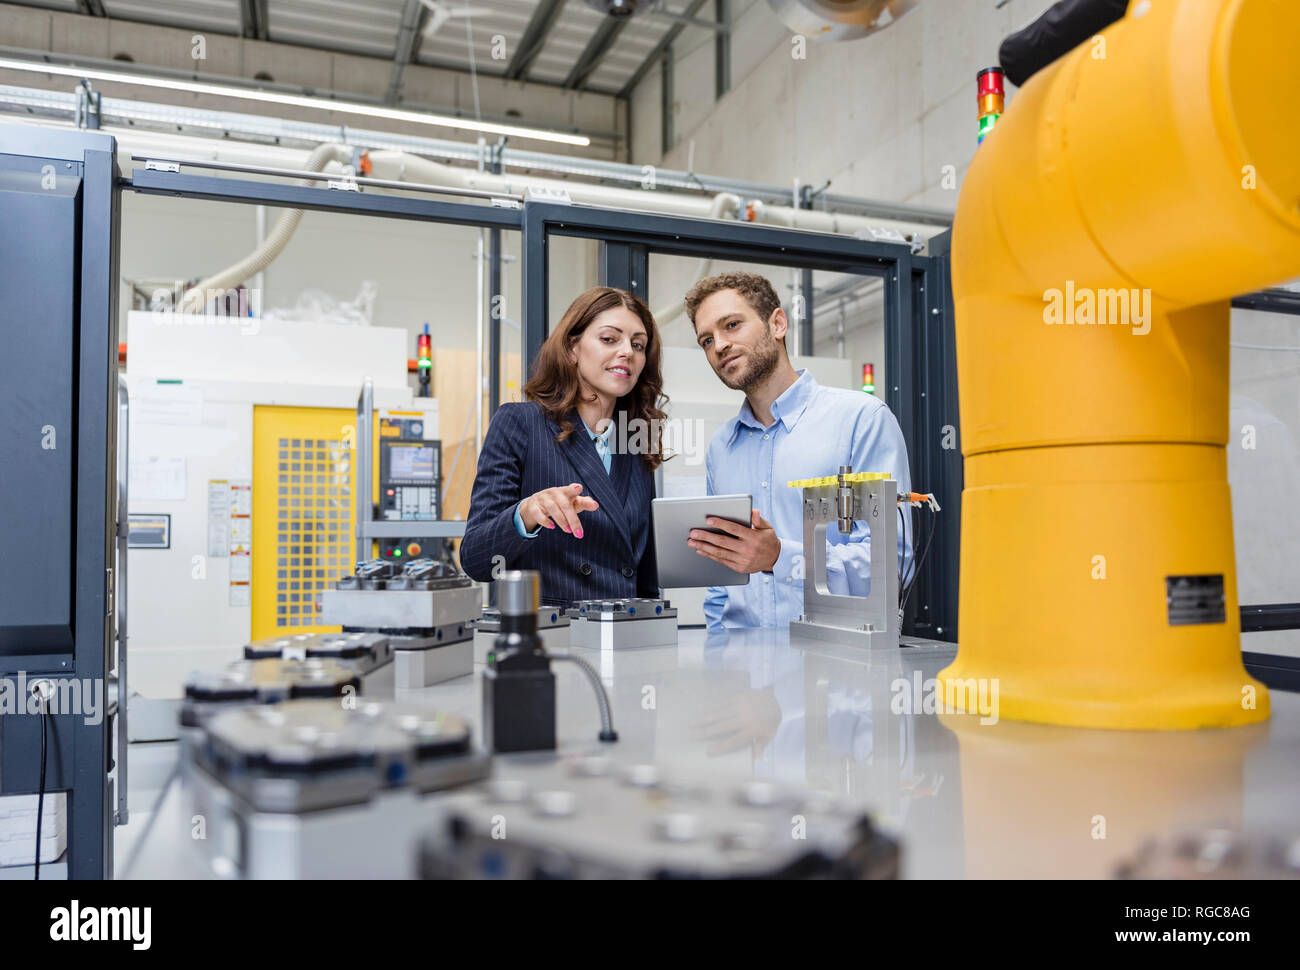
920, 354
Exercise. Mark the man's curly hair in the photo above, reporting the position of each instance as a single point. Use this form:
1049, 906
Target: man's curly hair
754, 289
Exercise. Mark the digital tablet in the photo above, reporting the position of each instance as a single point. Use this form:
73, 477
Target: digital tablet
674, 518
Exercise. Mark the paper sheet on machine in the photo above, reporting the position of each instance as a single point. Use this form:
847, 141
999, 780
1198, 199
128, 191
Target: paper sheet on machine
154, 403
155, 478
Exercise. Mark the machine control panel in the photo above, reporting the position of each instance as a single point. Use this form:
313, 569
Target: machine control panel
409, 479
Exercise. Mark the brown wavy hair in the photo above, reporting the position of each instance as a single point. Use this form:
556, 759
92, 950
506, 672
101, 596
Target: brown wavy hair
555, 386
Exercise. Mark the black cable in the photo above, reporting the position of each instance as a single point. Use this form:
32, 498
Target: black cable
919, 559
902, 556
934, 527
40, 797
917, 549
905, 582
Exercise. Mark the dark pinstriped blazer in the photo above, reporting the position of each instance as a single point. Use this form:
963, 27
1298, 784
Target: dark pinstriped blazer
614, 558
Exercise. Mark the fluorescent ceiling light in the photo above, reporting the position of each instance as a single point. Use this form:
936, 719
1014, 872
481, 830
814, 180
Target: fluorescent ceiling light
301, 101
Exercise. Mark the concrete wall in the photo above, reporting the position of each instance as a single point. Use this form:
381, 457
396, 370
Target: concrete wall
879, 117
755, 32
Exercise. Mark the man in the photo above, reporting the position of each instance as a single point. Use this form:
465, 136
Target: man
789, 427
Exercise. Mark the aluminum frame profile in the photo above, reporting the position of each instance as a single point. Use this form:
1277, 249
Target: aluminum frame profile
80, 753
918, 327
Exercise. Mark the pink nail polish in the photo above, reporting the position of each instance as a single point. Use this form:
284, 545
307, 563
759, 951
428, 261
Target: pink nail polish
578, 533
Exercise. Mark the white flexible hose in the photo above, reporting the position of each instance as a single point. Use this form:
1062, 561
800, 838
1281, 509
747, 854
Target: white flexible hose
195, 299
402, 166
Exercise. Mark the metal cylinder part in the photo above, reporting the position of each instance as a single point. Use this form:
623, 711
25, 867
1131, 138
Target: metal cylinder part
844, 501
519, 592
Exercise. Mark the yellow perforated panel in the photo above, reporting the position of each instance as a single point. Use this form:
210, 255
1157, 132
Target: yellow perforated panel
302, 514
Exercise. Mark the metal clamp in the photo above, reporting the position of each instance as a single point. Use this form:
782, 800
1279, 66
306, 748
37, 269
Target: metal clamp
840, 500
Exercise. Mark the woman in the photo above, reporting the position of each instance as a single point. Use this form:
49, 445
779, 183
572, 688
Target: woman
565, 479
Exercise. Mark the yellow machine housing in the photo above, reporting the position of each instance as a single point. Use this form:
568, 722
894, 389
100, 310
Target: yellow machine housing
303, 514
1163, 163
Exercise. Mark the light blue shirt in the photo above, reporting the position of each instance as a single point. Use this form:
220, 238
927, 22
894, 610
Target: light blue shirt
814, 430
602, 448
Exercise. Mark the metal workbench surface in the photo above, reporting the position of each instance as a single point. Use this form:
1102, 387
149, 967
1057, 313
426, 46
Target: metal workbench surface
967, 799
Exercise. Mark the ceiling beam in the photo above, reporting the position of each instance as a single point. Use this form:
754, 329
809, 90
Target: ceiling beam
722, 50
253, 22
662, 14
601, 41
664, 43
534, 38
419, 34
414, 16
254, 25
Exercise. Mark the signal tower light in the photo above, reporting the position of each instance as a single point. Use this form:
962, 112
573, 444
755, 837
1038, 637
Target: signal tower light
991, 97
425, 360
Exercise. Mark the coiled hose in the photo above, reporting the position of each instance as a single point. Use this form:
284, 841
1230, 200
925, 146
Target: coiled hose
195, 298
607, 732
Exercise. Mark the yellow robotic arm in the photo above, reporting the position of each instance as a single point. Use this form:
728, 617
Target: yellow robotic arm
1132, 189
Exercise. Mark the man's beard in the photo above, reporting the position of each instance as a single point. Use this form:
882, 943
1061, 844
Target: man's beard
762, 362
